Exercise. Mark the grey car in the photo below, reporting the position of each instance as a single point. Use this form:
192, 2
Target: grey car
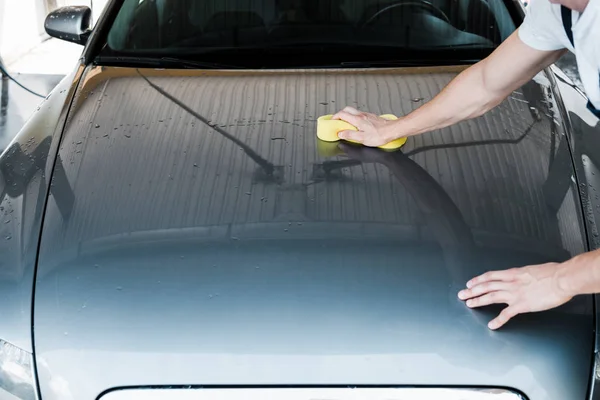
171, 227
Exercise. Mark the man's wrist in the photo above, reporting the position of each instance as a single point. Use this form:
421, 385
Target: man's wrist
578, 275
394, 130
565, 281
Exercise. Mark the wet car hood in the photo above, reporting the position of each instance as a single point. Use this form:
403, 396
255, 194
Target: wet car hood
214, 241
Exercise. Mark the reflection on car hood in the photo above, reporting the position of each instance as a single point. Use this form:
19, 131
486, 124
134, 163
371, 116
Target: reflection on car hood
214, 241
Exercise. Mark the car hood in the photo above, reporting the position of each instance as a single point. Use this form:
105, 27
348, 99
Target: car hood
214, 241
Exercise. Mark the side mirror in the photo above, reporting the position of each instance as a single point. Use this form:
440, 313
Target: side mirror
70, 23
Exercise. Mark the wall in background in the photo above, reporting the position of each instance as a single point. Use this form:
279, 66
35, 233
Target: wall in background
21, 27
22, 23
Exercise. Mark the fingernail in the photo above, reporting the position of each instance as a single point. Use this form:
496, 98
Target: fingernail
469, 284
461, 294
469, 303
492, 325
342, 135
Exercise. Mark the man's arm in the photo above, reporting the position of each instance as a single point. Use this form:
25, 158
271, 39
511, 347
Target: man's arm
534, 288
472, 93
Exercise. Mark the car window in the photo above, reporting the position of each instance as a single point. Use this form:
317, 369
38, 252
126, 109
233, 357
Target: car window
416, 29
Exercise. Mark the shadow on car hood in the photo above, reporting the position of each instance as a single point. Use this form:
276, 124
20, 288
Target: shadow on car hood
213, 242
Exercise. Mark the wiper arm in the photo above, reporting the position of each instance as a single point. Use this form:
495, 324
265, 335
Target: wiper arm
402, 63
199, 64
161, 62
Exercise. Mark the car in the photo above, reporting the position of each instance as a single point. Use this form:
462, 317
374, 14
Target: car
172, 228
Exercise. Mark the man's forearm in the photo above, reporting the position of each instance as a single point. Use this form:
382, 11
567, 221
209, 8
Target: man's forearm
581, 274
464, 98
478, 89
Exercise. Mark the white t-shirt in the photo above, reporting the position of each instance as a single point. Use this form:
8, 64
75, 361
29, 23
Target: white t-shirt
543, 30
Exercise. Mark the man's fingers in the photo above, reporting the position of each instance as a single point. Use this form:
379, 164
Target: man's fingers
346, 110
356, 136
506, 275
503, 318
490, 298
350, 118
351, 110
482, 289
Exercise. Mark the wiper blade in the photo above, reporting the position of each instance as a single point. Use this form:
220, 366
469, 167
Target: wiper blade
199, 64
402, 63
161, 62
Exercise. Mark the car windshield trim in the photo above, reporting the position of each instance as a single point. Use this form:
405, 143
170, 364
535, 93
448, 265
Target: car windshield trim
159, 62
305, 57
331, 393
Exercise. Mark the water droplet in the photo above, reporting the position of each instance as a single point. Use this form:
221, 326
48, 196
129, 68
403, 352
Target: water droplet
97, 126
128, 136
182, 257
257, 267
8, 237
285, 230
248, 193
417, 99
195, 165
66, 333
119, 288
78, 142
7, 221
210, 296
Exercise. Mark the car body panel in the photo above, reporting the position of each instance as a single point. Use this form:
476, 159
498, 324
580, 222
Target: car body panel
25, 168
214, 241
360, 393
583, 132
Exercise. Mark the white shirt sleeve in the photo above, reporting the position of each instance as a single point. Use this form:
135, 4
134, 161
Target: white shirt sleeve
540, 25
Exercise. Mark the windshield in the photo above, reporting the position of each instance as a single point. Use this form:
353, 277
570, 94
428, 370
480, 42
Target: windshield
275, 33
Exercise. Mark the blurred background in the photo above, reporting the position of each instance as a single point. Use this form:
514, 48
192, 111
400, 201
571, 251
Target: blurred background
34, 59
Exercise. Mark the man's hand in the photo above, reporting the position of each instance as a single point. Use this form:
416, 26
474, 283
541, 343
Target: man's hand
526, 289
372, 131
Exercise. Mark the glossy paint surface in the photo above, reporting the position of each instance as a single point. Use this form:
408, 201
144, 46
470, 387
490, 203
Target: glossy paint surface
583, 132
213, 241
25, 167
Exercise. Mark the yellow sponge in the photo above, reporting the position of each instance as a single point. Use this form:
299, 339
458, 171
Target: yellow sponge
328, 129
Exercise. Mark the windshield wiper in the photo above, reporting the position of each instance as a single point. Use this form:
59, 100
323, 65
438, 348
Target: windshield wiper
161, 62
402, 63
